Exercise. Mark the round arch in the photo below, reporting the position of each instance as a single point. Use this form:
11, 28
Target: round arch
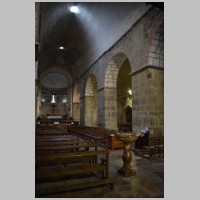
116, 102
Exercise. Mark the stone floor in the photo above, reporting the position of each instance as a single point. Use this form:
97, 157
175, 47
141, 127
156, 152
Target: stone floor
147, 183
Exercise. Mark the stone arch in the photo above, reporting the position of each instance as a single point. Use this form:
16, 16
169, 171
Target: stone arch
124, 96
91, 102
76, 103
113, 69
60, 69
110, 89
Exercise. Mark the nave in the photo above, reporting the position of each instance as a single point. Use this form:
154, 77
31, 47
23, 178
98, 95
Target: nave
147, 182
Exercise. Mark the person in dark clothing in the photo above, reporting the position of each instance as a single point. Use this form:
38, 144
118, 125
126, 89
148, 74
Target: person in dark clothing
143, 138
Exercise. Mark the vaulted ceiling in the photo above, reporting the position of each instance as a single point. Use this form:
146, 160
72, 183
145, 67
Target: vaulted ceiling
84, 36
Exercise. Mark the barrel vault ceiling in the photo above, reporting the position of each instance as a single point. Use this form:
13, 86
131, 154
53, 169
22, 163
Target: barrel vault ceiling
69, 43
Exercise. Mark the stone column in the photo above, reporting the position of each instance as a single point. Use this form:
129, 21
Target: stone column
36, 104
101, 108
89, 111
82, 111
69, 98
110, 108
39, 100
76, 111
148, 100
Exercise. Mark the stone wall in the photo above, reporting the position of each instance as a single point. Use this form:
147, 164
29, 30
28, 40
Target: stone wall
90, 111
143, 46
157, 101
37, 21
82, 111
76, 111
110, 108
148, 100
101, 108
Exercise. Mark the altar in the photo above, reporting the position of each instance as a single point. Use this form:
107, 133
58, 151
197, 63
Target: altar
54, 117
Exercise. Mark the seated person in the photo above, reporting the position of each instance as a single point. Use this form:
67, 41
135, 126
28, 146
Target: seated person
143, 138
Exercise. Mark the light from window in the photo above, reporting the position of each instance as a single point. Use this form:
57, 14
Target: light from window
74, 9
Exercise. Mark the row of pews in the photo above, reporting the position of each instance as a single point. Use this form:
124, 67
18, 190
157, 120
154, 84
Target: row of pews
150, 147
98, 135
62, 157
101, 136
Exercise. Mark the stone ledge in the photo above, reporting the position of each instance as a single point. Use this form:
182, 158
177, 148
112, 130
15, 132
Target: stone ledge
145, 68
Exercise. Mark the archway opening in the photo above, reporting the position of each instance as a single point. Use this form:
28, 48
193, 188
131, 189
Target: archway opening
54, 95
117, 86
124, 98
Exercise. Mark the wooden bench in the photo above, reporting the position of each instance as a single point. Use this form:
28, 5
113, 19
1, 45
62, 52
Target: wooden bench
70, 164
63, 148
84, 166
60, 143
95, 134
155, 147
56, 192
54, 138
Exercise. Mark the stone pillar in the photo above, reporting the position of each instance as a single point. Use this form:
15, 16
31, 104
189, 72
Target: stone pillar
101, 108
36, 104
39, 100
156, 83
37, 21
69, 103
76, 111
110, 108
89, 111
148, 100
82, 111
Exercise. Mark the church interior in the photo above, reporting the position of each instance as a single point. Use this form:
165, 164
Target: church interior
99, 99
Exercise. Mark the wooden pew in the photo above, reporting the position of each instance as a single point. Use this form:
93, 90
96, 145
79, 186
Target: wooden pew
61, 143
155, 147
74, 163
61, 139
61, 159
63, 148
54, 135
51, 136
95, 134
60, 146
57, 192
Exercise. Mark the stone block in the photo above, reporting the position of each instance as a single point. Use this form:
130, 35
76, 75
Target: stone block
161, 44
152, 55
158, 50
161, 63
161, 57
156, 62
153, 48
155, 42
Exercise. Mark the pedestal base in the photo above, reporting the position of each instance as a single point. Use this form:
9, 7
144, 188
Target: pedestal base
127, 172
127, 139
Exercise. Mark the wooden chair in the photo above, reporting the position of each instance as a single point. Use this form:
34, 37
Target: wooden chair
150, 148
159, 149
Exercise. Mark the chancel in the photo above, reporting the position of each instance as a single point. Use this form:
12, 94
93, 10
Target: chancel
99, 93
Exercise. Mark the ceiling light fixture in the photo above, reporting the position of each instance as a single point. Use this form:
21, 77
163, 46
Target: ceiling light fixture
61, 47
74, 9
